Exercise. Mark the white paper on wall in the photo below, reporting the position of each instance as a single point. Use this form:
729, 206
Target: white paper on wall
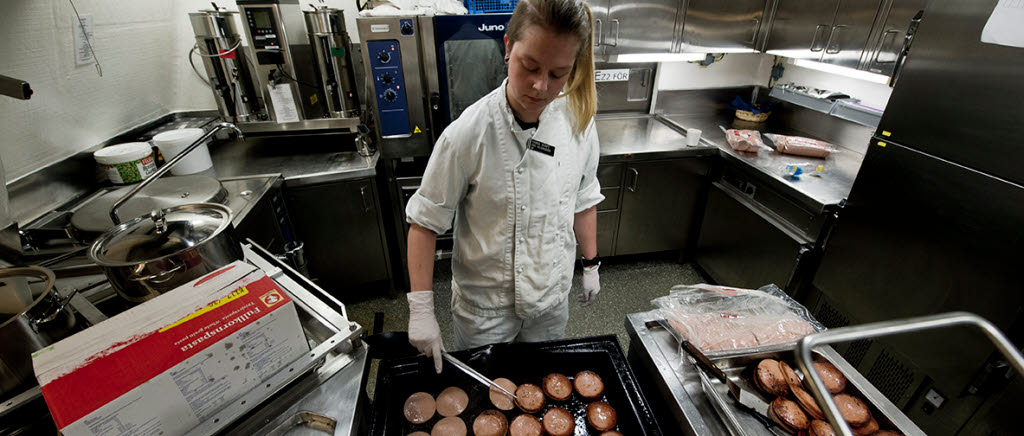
83, 53
1004, 25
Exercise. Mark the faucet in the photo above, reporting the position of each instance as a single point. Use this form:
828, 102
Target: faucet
168, 165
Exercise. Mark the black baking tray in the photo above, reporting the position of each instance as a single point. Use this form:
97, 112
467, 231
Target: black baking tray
521, 362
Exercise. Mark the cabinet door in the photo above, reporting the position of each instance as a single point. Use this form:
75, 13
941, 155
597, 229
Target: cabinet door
340, 225
714, 26
849, 32
648, 27
801, 28
659, 205
599, 9
887, 43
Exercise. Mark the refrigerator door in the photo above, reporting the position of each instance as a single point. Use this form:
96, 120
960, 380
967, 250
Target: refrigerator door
958, 98
921, 235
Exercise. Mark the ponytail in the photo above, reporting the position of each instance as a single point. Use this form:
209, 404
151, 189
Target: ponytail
580, 90
570, 17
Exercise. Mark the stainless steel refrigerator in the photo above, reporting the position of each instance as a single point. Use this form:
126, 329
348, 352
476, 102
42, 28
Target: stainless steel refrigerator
935, 223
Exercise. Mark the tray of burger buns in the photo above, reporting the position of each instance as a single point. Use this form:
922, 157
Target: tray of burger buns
774, 378
566, 387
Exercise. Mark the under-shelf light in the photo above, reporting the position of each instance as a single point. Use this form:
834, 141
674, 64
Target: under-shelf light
658, 57
842, 71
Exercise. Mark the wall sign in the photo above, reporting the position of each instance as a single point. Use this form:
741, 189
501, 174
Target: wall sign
611, 75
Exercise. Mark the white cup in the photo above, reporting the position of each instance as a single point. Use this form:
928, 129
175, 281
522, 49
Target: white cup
693, 137
173, 142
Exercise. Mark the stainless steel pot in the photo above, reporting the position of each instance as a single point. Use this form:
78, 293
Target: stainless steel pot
155, 253
39, 323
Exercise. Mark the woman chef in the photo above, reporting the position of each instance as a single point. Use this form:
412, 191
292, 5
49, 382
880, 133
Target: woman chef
518, 173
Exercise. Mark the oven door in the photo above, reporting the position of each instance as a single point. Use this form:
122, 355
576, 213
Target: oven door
470, 54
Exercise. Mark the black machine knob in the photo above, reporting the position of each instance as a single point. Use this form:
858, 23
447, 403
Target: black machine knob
390, 95
406, 28
384, 57
387, 78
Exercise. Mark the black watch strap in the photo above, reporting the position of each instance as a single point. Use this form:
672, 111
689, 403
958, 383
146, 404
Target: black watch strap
590, 262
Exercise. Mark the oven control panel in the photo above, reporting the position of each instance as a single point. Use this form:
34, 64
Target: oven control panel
389, 87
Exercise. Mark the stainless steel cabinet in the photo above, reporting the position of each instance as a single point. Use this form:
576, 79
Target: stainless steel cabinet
340, 224
659, 204
832, 31
848, 35
714, 26
624, 27
887, 41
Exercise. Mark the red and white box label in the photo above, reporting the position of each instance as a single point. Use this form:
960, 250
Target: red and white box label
174, 375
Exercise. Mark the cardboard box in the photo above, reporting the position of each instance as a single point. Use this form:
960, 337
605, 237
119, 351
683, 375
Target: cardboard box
169, 364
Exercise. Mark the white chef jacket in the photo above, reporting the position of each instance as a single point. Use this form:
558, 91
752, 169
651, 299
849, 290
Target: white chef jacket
513, 205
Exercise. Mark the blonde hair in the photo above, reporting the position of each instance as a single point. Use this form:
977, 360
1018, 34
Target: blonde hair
567, 17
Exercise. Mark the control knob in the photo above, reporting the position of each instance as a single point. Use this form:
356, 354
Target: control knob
384, 57
387, 78
390, 95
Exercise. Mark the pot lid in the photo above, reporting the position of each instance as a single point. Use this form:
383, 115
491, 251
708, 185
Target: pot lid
161, 234
94, 215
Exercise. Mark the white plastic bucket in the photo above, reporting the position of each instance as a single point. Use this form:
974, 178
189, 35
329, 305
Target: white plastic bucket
126, 163
173, 142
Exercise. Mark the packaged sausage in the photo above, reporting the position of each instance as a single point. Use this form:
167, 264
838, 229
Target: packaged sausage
744, 140
800, 146
722, 321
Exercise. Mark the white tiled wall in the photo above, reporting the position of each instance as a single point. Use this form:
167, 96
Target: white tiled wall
142, 47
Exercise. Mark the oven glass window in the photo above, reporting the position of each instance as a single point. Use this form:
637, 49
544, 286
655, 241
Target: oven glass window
474, 67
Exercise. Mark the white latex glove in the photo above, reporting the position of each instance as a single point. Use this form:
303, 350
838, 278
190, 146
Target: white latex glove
591, 286
424, 333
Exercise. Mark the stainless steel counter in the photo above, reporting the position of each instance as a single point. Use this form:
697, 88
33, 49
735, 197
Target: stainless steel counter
625, 137
655, 351
832, 187
301, 160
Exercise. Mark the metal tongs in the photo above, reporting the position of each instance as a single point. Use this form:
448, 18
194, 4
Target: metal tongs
473, 373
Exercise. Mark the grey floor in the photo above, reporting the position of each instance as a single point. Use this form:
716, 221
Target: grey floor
627, 286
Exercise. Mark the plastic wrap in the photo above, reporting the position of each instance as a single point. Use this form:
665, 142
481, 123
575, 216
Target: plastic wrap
720, 320
800, 146
744, 140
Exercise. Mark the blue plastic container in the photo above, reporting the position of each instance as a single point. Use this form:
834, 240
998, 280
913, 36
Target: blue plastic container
490, 6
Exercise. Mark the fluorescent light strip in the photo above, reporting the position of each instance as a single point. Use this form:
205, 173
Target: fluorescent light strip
842, 71
658, 57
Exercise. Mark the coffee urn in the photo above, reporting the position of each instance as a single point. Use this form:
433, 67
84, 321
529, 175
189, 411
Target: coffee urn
332, 50
227, 67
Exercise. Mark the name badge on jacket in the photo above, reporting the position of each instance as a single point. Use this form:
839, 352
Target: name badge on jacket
541, 147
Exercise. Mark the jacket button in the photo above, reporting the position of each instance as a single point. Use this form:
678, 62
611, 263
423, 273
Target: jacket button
520, 171
522, 208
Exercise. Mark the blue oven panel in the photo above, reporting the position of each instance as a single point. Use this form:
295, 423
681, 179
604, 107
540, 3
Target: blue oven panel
389, 84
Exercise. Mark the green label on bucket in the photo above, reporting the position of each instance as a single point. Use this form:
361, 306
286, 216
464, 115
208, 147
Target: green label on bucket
129, 171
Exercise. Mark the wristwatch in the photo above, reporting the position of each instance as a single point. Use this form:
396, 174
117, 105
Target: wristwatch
587, 263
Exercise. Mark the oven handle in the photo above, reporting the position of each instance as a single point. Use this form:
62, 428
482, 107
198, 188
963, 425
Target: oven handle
435, 113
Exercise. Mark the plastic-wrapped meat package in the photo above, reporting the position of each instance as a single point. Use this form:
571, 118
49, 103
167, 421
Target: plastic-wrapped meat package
800, 146
720, 320
744, 140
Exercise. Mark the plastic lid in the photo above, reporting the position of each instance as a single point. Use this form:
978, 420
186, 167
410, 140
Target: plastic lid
179, 135
122, 153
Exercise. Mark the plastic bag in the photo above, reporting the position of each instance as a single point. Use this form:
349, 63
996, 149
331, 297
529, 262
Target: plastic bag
744, 140
800, 146
720, 320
